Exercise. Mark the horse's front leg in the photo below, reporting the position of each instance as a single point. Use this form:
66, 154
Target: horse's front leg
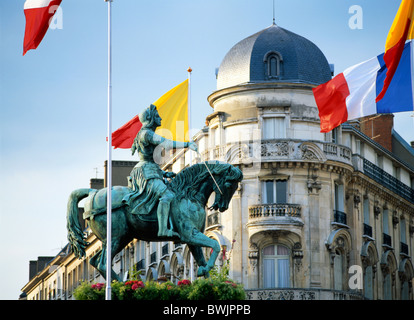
198, 255
197, 241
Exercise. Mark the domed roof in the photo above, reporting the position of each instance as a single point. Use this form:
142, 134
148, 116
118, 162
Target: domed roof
273, 55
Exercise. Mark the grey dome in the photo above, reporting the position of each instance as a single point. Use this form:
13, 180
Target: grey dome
298, 60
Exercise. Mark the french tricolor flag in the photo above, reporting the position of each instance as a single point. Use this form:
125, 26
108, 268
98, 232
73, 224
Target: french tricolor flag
38, 16
352, 94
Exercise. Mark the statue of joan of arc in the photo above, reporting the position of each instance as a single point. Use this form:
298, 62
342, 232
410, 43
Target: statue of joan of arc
146, 178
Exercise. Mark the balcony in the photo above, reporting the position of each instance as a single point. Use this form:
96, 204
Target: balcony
301, 294
165, 249
140, 264
367, 230
270, 150
274, 210
386, 240
404, 248
388, 181
153, 257
340, 217
274, 216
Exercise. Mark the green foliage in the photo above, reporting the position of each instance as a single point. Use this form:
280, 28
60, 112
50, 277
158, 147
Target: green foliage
87, 291
221, 274
134, 273
218, 286
201, 289
209, 289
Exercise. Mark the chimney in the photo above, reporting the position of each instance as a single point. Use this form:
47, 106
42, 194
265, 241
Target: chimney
96, 183
379, 128
35, 266
32, 269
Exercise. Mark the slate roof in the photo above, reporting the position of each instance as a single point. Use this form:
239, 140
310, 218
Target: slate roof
303, 61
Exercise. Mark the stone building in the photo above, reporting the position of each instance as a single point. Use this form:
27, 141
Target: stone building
317, 216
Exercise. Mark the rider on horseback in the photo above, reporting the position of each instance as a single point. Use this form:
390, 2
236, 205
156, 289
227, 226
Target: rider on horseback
146, 177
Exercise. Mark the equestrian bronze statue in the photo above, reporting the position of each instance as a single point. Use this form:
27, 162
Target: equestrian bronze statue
153, 208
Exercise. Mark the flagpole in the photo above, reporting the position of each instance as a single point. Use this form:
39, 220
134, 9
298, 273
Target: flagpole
189, 70
108, 291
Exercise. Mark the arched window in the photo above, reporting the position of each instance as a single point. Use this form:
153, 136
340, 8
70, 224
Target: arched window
406, 274
387, 287
369, 257
388, 266
273, 65
276, 266
339, 244
338, 270
369, 282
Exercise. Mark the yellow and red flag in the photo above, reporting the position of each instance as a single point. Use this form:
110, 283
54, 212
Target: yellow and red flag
172, 108
401, 30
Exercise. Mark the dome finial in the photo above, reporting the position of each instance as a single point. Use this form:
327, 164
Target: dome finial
274, 12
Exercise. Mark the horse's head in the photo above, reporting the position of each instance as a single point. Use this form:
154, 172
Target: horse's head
196, 183
228, 182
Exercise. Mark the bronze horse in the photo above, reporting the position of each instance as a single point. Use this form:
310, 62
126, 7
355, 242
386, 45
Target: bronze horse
192, 187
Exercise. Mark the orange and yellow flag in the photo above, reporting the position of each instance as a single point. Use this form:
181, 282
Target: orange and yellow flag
401, 30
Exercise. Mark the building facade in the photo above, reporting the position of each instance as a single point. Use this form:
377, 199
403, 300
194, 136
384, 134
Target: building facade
317, 215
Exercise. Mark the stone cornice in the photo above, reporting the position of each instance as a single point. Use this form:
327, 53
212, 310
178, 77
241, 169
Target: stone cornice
257, 87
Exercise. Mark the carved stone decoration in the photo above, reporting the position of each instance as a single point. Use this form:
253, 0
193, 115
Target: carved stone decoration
377, 211
239, 153
357, 199
311, 152
339, 240
313, 185
297, 254
308, 154
395, 219
253, 258
275, 149
411, 228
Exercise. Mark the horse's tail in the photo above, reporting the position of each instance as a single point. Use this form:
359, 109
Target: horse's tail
75, 232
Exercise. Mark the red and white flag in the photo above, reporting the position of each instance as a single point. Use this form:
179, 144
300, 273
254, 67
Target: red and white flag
38, 14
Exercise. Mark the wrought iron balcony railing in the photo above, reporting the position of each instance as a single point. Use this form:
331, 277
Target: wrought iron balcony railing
340, 217
140, 264
165, 249
367, 230
153, 257
386, 239
388, 181
403, 248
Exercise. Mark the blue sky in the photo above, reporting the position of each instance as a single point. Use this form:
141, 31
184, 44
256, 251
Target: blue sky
53, 100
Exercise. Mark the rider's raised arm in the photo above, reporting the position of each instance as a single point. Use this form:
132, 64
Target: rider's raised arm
167, 143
